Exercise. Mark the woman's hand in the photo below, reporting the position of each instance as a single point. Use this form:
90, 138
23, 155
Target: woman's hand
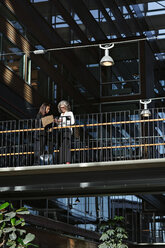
56, 120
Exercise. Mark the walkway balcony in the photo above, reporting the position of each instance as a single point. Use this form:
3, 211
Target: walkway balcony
114, 152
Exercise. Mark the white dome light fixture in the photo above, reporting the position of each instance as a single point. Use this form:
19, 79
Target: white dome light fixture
107, 60
145, 112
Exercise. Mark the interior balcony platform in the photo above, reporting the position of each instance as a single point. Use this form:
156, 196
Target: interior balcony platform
83, 179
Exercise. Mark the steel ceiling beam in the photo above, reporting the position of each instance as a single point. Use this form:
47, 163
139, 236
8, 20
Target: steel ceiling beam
74, 26
69, 19
111, 23
122, 24
144, 24
89, 21
134, 20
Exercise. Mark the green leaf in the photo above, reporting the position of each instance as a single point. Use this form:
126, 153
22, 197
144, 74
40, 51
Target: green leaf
13, 221
21, 231
4, 205
29, 237
10, 242
20, 241
104, 237
18, 222
23, 212
103, 228
10, 214
103, 245
9, 229
1, 233
11, 205
120, 229
23, 223
125, 236
3, 225
123, 246
110, 232
13, 236
7, 219
118, 218
119, 235
13, 246
32, 245
22, 209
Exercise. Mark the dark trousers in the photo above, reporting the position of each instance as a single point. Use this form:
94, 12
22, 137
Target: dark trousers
65, 145
43, 144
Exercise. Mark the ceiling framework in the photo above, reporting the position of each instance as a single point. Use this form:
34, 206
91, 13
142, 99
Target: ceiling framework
122, 19
86, 23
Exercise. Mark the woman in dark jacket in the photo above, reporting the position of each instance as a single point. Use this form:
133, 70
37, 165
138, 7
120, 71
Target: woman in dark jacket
43, 138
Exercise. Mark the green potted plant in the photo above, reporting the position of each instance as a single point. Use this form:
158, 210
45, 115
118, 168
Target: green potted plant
113, 233
11, 232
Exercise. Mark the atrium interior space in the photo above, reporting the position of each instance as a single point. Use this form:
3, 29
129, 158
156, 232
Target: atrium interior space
82, 122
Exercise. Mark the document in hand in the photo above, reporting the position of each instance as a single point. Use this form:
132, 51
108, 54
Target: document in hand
47, 120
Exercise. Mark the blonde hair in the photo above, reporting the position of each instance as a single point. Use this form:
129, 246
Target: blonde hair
66, 104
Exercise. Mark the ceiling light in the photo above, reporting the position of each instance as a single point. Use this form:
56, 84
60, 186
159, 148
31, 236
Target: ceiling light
77, 200
106, 59
145, 112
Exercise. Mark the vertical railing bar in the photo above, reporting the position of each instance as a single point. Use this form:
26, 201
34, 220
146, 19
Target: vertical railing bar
80, 145
19, 140
105, 137
10, 144
154, 131
130, 150
148, 139
134, 134
99, 141
111, 137
125, 138
163, 132
89, 144
6, 144
159, 135
26, 145
116, 137
92, 140
120, 151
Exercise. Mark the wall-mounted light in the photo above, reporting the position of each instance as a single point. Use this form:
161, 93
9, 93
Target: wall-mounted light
106, 59
145, 112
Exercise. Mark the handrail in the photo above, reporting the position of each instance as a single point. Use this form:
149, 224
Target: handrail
88, 149
85, 125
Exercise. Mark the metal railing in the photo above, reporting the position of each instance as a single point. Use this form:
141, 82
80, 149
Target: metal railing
94, 138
